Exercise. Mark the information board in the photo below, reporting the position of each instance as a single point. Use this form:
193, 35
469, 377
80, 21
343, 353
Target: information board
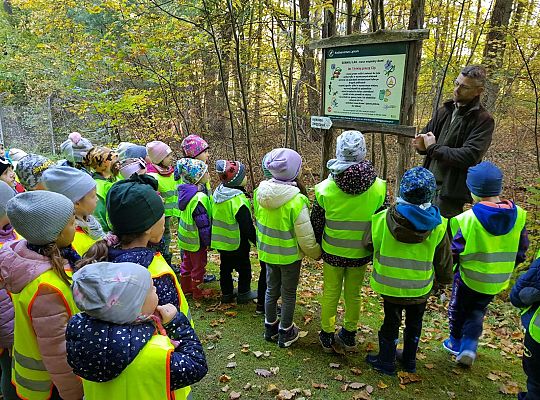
365, 82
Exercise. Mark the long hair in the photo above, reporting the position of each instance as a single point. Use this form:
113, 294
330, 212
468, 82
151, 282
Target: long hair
52, 252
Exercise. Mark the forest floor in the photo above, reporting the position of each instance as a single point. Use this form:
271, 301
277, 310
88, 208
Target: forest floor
243, 365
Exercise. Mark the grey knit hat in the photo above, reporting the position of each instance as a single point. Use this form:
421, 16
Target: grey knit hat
350, 150
75, 147
71, 182
6, 194
112, 292
30, 169
39, 216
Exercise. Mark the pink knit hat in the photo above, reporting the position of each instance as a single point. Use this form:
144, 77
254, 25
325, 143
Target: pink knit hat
193, 145
157, 151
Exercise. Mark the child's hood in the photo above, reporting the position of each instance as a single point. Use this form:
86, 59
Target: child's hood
224, 193
186, 191
356, 179
19, 266
273, 195
402, 229
99, 351
497, 219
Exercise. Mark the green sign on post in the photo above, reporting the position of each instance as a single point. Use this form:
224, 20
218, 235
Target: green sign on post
365, 82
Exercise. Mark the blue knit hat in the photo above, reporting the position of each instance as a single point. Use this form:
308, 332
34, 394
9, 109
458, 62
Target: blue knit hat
485, 180
417, 186
135, 151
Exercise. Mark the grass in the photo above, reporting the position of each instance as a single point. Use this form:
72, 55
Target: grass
234, 336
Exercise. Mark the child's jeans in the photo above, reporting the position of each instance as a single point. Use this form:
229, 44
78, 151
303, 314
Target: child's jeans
261, 285
467, 310
230, 262
350, 279
531, 366
194, 264
281, 280
393, 314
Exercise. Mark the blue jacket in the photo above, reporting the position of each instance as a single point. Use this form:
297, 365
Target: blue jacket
526, 292
99, 351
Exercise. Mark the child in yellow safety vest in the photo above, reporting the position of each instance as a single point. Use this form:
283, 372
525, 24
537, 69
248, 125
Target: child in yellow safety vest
526, 295
30, 169
162, 169
194, 225
341, 214
7, 234
489, 240
104, 164
194, 146
36, 272
284, 234
80, 188
232, 231
123, 344
411, 251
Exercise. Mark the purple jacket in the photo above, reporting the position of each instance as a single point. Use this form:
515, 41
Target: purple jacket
186, 192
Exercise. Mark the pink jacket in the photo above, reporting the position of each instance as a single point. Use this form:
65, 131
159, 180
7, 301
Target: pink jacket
18, 267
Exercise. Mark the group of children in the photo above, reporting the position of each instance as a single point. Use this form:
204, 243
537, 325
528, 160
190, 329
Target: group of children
91, 303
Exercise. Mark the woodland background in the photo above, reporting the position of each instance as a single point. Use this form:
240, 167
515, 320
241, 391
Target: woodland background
241, 74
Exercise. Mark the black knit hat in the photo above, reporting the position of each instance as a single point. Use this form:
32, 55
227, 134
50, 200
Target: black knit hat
133, 204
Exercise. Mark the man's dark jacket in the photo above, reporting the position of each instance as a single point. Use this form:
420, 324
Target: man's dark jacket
463, 146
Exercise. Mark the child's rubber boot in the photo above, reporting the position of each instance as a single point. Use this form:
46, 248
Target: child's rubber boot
452, 345
385, 361
271, 331
186, 284
288, 336
327, 341
407, 356
467, 351
346, 340
244, 298
199, 293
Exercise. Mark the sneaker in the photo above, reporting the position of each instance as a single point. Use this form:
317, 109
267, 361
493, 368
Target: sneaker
346, 339
288, 336
327, 341
452, 345
271, 331
245, 298
466, 357
209, 278
259, 309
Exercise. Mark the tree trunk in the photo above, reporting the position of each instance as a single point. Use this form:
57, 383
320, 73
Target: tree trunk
494, 50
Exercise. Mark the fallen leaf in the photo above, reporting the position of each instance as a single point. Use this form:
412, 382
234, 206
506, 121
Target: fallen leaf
306, 392
210, 347
370, 346
429, 366
493, 377
231, 356
273, 389
319, 385
302, 334
258, 354
362, 395
231, 365
369, 389
225, 389
382, 385
509, 388
263, 372
356, 371
335, 366
224, 378
274, 370
231, 314
285, 395
234, 395
344, 387
247, 386
407, 377
356, 385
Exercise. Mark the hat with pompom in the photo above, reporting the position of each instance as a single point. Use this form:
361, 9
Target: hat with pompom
75, 147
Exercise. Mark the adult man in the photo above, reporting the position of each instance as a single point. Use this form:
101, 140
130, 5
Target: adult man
456, 138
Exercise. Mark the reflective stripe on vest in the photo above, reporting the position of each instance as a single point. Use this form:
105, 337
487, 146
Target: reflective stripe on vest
168, 189
403, 269
225, 229
346, 221
487, 261
276, 242
29, 374
146, 377
159, 267
188, 234
534, 325
82, 241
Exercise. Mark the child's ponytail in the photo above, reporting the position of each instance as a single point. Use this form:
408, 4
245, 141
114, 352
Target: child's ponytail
97, 253
52, 252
